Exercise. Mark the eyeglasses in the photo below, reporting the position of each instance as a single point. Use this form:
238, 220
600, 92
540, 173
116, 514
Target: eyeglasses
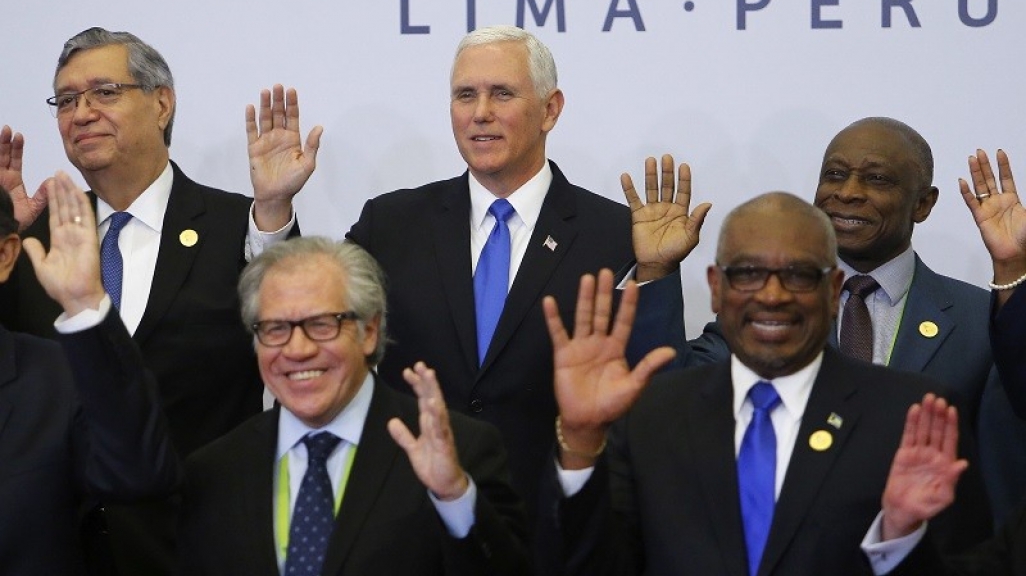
319, 328
102, 96
797, 278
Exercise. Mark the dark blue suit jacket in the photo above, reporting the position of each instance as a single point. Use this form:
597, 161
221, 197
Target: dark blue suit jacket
79, 421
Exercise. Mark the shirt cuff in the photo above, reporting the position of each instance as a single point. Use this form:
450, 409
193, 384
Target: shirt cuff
458, 514
573, 480
884, 556
257, 239
84, 320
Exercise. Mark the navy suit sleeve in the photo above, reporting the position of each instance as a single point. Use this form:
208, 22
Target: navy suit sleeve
123, 444
1008, 341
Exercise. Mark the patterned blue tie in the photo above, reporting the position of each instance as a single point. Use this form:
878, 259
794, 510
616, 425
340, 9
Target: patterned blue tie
313, 516
491, 279
757, 472
111, 265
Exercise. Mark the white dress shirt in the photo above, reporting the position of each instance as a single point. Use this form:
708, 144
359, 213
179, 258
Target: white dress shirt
527, 202
139, 243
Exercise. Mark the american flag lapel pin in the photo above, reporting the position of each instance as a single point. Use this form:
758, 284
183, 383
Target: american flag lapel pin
550, 243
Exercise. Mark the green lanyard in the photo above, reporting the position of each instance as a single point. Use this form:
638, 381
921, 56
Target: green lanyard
281, 499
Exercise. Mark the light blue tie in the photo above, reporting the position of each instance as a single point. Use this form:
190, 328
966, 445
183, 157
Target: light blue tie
313, 516
757, 472
491, 279
111, 265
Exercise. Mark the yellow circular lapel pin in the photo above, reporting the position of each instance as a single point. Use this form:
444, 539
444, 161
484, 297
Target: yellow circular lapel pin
820, 440
928, 329
188, 238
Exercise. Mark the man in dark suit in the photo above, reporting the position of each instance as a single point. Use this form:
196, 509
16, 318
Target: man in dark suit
181, 250
430, 241
317, 309
79, 419
875, 183
690, 482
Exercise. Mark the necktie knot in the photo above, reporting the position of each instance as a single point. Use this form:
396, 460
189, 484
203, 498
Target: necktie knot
861, 285
501, 209
764, 396
319, 446
118, 221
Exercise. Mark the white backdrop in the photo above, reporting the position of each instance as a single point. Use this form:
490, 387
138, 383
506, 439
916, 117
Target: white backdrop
751, 110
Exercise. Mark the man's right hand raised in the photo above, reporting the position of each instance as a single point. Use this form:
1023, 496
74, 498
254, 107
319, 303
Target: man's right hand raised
26, 209
593, 383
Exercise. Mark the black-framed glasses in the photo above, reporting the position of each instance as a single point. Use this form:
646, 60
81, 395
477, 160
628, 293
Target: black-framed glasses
796, 278
319, 328
102, 95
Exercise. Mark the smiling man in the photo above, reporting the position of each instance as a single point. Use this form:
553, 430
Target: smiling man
469, 259
769, 462
317, 485
172, 251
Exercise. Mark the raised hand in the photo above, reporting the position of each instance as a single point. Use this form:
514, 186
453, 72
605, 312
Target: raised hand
26, 208
433, 454
925, 468
279, 165
70, 271
998, 213
593, 383
663, 230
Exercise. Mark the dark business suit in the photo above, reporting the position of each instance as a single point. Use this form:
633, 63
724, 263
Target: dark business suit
665, 500
386, 523
958, 357
191, 338
421, 238
1008, 337
78, 419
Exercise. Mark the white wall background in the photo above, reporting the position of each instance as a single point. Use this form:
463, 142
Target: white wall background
751, 110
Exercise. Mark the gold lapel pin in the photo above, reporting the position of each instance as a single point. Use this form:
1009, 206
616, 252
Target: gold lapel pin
188, 238
928, 329
820, 440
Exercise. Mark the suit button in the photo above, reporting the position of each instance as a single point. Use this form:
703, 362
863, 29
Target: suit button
476, 406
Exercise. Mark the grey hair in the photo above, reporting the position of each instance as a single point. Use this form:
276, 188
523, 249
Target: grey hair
784, 202
540, 61
8, 224
364, 279
145, 64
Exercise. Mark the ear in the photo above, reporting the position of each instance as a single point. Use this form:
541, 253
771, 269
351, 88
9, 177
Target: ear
371, 333
836, 284
165, 103
924, 204
10, 247
553, 108
713, 276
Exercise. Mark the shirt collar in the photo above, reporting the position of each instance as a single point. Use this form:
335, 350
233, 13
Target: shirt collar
149, 207
526, 200
893, 276
347, 425
794, 389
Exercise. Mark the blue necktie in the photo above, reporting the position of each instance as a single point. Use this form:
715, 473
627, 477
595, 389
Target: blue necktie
757, 472
313, 516
111, 265
491, 279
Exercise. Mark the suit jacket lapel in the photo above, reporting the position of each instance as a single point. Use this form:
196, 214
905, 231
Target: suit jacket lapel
174, 259
375, 457
256, 528
808, 469
712, 445
556, 221
927, 303
450, 225
8, 373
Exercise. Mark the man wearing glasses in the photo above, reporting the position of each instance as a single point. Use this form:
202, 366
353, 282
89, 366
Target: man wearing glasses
346, 500
171, 253
769, 462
